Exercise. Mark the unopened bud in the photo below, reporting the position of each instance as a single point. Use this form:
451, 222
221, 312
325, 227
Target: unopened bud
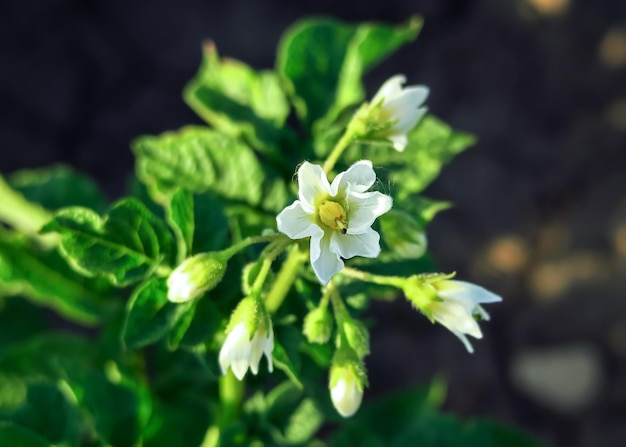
196, 275
318, 325
347, 381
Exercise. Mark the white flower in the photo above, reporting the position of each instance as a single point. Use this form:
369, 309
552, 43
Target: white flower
401, 105
249, 336
337, 217
459, 308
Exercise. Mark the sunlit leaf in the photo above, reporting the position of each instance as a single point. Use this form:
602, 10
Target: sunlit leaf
125, 246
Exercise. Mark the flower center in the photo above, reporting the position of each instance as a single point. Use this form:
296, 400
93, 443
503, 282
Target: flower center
333, 215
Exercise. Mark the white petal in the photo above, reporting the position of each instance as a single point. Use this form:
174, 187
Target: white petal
465, 341
455, 316
466, 291
269, 347
327, 262
364, 208
315, 245
312, 183
390, 89
348, 245
346, 397
409, 121
256, 351
399, 142
295, 222
409, 99
235, 352
359, 177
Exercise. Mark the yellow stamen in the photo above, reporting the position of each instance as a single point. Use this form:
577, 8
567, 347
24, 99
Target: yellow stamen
333, 215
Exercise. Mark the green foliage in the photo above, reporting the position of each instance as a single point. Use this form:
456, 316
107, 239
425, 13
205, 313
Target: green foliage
323, 61
239, 101
138, 369
63, 390
57, 187
150, 315
431, 145
200, 159
125, 246
44, 277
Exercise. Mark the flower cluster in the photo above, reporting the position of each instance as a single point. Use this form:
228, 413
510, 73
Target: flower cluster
337, 219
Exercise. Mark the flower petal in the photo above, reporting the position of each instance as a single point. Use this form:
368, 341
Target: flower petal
359, 178
409, 121
348, 245
269, 347
364, 208
407, 101
399, 142
295, 221
312, 183
327, 263
466, 291
346, 397
465, 341
235, 352
315, 245
455, 316
390, 89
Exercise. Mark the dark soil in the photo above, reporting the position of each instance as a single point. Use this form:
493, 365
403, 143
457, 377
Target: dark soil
540, 214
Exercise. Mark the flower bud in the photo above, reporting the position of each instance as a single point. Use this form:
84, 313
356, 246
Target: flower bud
403, 234
249, 335
347, 381
454, 304
196, 275
318, 325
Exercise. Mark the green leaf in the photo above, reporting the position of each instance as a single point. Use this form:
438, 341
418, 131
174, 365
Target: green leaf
180, 216
45, 278
125, 246
150, 316
323, 61
12, 434
74, 392
58, 187
204, 325
238, 101
282, 362
47, 412
304, 422
200, 159
431, 145
210, 224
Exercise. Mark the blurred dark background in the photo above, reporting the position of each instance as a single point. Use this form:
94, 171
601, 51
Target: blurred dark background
540, 214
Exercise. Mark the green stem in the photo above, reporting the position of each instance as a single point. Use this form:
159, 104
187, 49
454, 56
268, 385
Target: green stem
231, 396
395, 281
284, 280
348, 137
230, 251
24, 216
